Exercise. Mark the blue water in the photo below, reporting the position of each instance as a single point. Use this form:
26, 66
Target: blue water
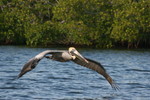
52, 80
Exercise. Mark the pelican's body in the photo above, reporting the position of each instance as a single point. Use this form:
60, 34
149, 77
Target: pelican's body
61, 56
67, 55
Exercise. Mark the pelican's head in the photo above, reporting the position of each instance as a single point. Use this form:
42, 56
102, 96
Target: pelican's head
75, 54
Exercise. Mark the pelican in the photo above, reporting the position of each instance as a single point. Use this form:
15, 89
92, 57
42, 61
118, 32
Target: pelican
64, 56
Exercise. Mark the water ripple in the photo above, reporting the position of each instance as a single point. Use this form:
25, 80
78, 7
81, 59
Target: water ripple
52, 80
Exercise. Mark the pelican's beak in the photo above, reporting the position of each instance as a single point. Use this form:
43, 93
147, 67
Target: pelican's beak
74, 52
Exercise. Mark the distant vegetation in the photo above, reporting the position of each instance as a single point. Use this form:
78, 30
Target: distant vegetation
96, 23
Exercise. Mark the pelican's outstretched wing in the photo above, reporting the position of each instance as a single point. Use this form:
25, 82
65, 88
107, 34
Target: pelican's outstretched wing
98, 68
31, 64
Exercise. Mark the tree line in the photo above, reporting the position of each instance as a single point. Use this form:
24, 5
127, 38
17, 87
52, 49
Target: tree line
96, 23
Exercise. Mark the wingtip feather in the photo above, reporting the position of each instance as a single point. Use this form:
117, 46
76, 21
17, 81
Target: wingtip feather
115, 86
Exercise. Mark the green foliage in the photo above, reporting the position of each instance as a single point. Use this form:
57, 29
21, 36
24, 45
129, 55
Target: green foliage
96, 23
87, 22
132, 23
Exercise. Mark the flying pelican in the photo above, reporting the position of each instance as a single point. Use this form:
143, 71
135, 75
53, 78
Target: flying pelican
67, 55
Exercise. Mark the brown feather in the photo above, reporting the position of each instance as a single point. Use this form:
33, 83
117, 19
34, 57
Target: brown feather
98, 68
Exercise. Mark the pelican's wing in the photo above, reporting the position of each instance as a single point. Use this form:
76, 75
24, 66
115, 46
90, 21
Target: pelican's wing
31, 64
98, 68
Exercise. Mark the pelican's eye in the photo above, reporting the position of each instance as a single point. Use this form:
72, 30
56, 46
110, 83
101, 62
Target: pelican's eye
72, 51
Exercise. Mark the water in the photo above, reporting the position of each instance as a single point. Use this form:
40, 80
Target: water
53, 80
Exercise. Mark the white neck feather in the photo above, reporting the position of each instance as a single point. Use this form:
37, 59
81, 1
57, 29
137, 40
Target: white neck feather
73, 57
